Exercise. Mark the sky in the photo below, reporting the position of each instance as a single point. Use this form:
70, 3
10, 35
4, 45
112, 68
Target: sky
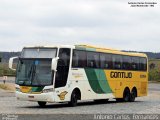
105, 23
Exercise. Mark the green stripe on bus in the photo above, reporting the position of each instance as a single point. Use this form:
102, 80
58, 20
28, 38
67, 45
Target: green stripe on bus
103, 82
80, 48
37, 89
93, 80
97, 80
85, 48
91, 49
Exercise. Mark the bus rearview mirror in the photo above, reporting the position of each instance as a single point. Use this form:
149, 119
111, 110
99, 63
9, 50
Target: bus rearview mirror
54, 64
11, 60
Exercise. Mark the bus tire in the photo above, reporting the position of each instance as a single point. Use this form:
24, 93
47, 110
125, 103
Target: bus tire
133, 95
41, 104
126, 95
74, 99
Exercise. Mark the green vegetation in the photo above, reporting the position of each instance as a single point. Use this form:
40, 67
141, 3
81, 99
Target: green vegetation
154, 75
154, 70
5, 71
3, 86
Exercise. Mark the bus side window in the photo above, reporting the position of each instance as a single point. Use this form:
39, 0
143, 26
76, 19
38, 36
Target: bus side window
135, 63
126, 64
92, 60
109, 64
105, 61
102, 61
79, 58
117, 61
143, 64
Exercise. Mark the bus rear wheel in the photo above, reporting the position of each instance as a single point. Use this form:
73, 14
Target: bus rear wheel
74, 99
133, 95
41, 104
126, 95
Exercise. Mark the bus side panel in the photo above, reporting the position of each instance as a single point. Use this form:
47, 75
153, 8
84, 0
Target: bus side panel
119, 80
90, 83
90, 87
78, 79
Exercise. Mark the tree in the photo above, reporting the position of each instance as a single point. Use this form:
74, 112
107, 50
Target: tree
154, 74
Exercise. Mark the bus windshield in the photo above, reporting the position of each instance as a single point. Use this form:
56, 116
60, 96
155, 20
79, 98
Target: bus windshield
34, 72
34, 67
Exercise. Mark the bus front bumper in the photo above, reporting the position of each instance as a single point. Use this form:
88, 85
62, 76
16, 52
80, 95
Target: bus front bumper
46, 97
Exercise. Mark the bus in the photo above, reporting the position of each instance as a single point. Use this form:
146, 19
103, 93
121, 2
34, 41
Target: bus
70, 73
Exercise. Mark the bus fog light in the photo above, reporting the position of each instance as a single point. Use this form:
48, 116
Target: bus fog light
48, 90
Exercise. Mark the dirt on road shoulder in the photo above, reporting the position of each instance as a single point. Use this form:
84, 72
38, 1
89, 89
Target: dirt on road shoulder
7, 86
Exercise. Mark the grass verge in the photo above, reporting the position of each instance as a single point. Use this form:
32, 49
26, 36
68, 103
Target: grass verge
7, 86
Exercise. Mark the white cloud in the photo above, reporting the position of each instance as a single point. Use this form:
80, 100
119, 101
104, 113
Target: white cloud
109, 23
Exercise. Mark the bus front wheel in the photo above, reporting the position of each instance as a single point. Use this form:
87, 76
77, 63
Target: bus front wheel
74, 99
41, 104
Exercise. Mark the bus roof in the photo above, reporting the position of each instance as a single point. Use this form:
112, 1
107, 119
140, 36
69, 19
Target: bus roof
51, 46
108, 50
92, 48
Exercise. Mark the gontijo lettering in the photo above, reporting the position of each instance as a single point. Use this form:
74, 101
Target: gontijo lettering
121, 75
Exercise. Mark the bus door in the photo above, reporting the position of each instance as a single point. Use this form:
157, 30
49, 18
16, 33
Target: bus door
62, 67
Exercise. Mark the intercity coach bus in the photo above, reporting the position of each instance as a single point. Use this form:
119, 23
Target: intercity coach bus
69, 73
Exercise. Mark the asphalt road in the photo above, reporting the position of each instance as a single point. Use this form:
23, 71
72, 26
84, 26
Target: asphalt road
8, 80
143, 105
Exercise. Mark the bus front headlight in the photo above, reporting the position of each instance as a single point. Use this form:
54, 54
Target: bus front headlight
48, 90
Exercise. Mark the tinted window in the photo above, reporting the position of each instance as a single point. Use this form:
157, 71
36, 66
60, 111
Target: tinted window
64, 56
135, 63
142, 64
117, 61
79, 58
92, 59
62, 67
126, 64
106, 61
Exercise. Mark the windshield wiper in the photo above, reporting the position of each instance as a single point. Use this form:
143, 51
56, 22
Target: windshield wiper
30, 75
30, 71
34, 72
